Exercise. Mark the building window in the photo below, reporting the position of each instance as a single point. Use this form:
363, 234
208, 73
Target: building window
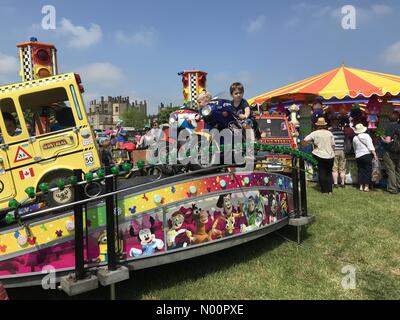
116, 109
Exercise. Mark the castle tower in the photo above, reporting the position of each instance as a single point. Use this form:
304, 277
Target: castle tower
37, 60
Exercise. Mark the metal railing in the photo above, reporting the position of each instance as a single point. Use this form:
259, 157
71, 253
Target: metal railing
111, 203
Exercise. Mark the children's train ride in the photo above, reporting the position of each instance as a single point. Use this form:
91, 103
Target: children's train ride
46, 140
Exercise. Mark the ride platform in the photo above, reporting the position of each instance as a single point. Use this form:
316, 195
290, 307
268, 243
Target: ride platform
156, 223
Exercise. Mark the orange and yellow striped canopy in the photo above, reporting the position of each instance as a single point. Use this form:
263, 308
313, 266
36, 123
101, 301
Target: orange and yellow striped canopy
338, 83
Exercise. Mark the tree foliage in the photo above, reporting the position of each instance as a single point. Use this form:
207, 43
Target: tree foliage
163, 117
133, 117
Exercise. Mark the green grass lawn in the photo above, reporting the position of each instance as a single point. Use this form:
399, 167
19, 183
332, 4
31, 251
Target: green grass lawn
352, 228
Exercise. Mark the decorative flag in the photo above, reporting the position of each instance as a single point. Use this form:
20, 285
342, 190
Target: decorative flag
26, 173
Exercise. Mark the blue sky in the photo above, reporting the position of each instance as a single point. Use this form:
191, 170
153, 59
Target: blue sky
135, 48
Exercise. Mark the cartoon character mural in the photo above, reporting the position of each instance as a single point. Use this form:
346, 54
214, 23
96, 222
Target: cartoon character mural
228, 221
277, 205
146, 235
253, 211
102, 241
274, 206
284, 205
97, 246
201, 222
179, 234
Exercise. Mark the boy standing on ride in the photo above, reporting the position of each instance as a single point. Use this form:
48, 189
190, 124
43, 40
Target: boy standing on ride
240, 105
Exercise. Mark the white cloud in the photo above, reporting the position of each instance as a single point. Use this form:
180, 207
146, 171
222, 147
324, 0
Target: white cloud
8, 64
392, 54
145, 37
242, 76
245, 77
255, 24
292, 22
312, 10
81, 37
380, 9
221, 77
101, 74
223, 80
369, 14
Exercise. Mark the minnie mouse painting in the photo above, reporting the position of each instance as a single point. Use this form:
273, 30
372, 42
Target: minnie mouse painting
149, 243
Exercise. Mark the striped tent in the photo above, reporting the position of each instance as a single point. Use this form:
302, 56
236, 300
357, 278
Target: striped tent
339, 83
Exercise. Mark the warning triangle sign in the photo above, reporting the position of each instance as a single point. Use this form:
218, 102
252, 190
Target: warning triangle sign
22, 155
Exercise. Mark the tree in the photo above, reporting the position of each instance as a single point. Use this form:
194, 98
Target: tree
133, 117
163, 117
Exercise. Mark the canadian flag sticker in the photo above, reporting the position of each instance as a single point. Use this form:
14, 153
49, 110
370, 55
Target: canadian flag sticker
26, 173
22, 155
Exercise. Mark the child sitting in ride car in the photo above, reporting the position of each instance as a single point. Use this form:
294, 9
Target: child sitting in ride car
203, 99
240, 105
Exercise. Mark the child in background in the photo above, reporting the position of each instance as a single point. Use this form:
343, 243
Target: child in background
105, 152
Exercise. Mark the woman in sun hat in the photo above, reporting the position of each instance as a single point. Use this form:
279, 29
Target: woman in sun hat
324, 144
364, 151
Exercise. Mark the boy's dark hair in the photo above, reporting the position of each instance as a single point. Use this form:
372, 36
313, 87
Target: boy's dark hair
236, 86
8, 116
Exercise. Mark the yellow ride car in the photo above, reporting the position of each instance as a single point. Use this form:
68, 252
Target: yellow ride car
45, 135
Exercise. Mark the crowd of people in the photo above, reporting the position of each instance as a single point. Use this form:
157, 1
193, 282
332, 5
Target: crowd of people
334, 135
334, 138
118, 139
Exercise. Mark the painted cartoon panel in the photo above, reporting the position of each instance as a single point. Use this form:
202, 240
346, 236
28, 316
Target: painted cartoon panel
277, 205
58, 256
223, 216
253, 211
213, 208
145, 236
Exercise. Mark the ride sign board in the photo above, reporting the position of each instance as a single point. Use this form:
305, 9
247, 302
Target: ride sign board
21, 155
54, 144
89, 159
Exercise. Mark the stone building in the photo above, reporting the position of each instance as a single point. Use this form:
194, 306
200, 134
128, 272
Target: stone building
104, 114
162, 106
